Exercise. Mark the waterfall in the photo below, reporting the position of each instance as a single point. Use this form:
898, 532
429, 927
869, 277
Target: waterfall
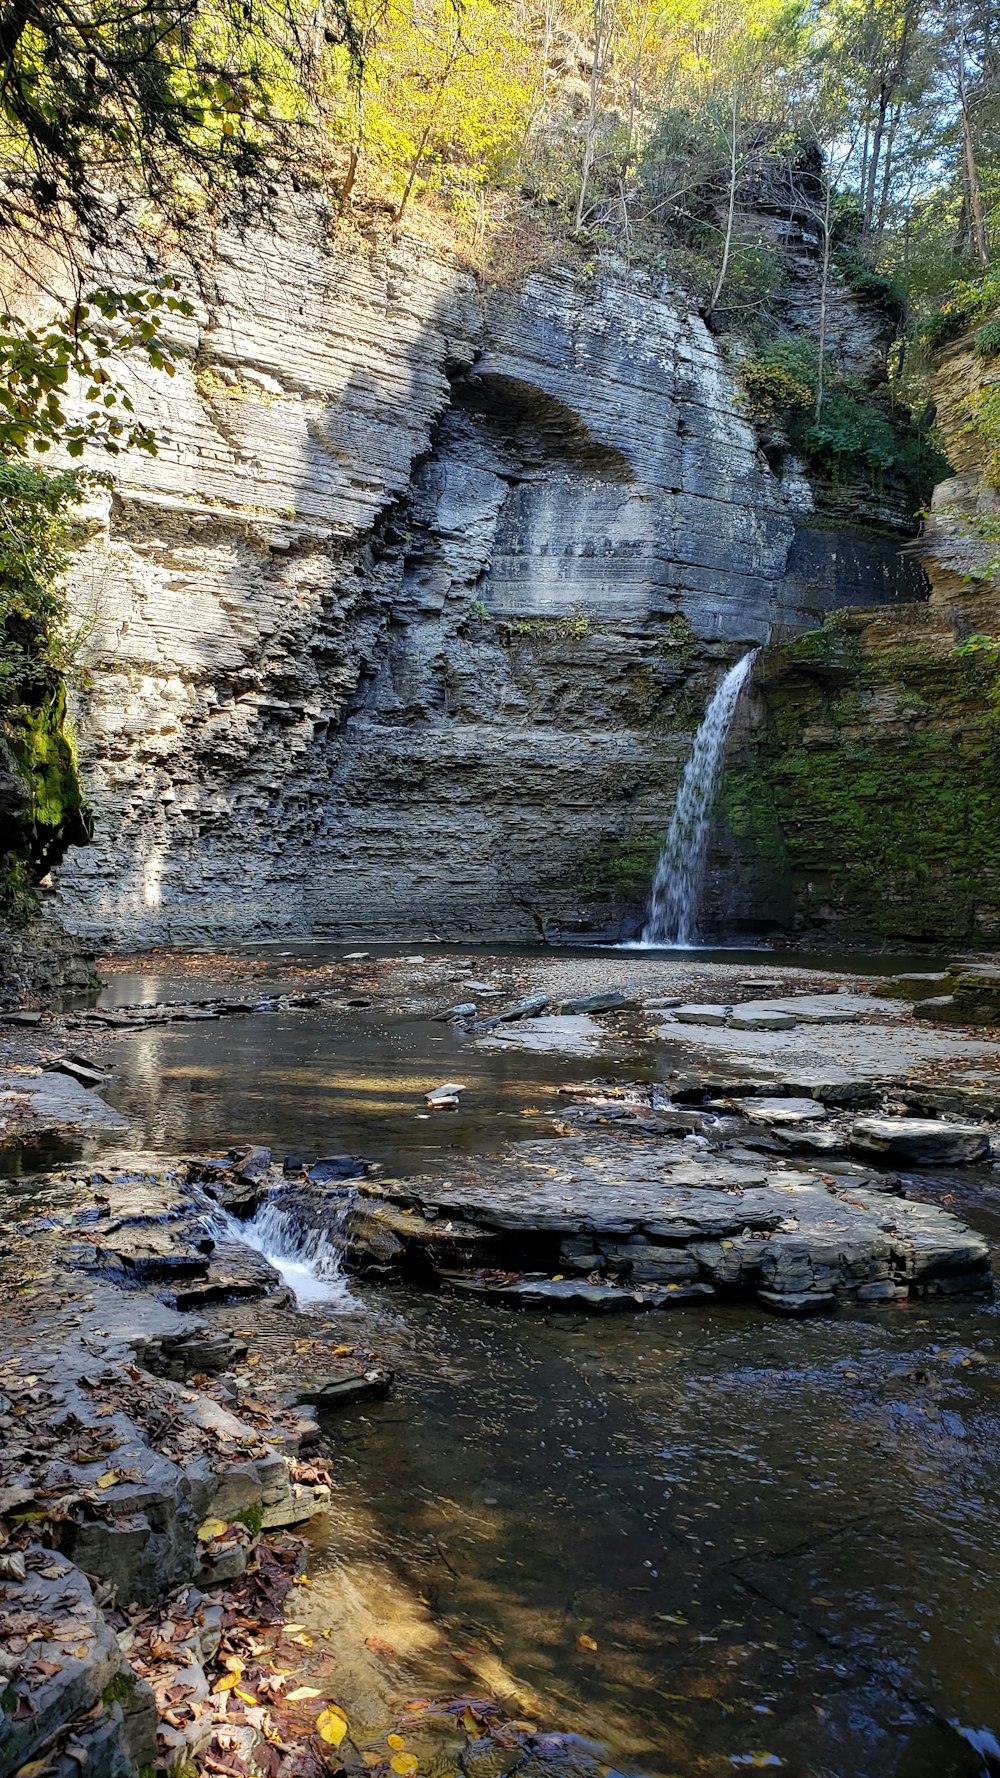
309, 1262
680, 869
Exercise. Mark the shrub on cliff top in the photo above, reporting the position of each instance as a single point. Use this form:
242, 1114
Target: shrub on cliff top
968, 301
856, 437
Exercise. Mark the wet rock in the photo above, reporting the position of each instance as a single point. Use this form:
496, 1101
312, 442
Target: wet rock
822, 1009
613, 1002
924, 1141
527, 1008
83, 1072
222, 1287
569, 1293
781, 1111
819, 1142
184, 1355
448, 1094
356, 957
335, 1166
327, 1393
466, 1009
64, 1630
255, 1165
917, 986
940, 1007
608, 1214
55, 1101
797, 1302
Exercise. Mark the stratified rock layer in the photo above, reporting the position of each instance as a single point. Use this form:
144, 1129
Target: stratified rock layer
408, 626
603, 1223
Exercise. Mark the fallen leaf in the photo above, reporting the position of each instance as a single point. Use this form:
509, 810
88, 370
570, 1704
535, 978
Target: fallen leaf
108, 1479
587, 1642
300, 1692
397, 1743
331, 1724
211, 1528
377, 1645
404, 1764
227, 1682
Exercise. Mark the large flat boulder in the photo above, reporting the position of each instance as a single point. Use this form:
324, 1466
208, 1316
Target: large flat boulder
599, 1222
926, 1142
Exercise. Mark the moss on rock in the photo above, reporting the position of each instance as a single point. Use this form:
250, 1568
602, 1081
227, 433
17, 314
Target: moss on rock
868, 803
42, 803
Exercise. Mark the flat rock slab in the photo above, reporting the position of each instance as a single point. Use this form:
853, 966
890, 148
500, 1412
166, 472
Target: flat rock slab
55, 1101
568, 1293
870, 1050
702, 1015
566, 1033
925, 1141
761, 1018
781, 1111
646, 1216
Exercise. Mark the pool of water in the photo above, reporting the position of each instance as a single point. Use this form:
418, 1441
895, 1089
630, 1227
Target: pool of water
711, 1539
315, 1083
776, 1542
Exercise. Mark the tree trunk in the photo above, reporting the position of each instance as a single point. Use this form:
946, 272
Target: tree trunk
429, 125
824, 293
972, 173
868, 202
590, 139
883, 203
633, 97
723, 269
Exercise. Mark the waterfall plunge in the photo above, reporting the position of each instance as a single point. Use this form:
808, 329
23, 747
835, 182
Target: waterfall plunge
680, 869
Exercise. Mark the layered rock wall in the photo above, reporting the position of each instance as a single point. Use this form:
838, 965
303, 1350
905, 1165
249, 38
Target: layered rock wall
407, 628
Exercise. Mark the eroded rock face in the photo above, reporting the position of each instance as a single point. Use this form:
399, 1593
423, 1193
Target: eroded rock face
408, 626
594, 1223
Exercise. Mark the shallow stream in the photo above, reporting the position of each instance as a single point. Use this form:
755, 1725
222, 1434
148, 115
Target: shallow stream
777, 1541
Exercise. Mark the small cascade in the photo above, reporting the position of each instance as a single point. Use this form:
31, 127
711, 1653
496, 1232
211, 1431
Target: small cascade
309, 1261
680, 869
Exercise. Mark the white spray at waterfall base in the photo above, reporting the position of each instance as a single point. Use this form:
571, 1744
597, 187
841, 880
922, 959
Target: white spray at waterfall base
680, 870
309, 1262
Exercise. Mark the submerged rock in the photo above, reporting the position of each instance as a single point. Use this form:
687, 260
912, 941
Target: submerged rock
781, 1111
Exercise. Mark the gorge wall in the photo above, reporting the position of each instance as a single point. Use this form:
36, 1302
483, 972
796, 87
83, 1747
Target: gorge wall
406, 629
862, 800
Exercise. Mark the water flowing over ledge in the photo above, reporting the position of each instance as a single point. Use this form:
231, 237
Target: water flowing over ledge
310, 1263
680, 870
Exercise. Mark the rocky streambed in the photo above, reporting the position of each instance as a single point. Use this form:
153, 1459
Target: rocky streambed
201, 1348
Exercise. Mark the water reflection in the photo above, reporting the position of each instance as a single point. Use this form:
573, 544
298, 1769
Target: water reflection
780, 1538
319, 1082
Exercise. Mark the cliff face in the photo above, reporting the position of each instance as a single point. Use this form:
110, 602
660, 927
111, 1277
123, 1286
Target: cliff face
863, 797
406, 629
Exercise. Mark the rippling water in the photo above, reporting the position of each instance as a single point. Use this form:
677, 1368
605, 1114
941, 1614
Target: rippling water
782, 1538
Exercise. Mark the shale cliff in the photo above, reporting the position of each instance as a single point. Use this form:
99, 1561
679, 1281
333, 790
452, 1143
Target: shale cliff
407, 627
